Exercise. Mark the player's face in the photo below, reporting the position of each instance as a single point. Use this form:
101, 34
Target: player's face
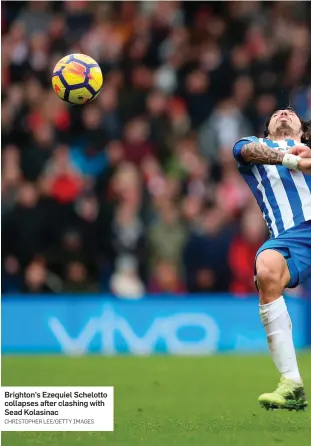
284, 120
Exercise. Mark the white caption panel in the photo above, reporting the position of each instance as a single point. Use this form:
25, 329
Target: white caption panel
56, 408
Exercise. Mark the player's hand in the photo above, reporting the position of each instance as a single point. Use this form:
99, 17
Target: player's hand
302, 151
304, 165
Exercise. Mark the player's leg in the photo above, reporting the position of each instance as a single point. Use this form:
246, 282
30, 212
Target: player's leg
273, 276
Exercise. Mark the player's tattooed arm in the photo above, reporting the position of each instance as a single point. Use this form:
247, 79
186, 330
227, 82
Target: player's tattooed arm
257, 153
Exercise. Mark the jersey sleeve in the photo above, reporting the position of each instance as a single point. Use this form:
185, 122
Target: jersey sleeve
237, 149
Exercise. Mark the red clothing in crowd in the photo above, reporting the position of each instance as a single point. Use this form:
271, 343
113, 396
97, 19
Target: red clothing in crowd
241, 261
65, 188
135, 153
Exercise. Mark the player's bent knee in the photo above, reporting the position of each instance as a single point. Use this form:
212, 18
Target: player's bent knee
271, 269
267, 276
268, 272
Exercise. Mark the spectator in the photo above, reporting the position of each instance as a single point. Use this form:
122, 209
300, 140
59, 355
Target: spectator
205, 251
243, 251
167, 237
38, 280
166, 279
11, 276
125, 282
60, 180
110, 117
24, 228
136, 141
77, 279
198, 97
11, 177
36, 17
224, 127
160, 127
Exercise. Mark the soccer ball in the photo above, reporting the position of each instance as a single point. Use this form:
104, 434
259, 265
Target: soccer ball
77, 79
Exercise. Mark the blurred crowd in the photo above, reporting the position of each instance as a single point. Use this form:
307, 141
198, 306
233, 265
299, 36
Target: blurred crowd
138, 191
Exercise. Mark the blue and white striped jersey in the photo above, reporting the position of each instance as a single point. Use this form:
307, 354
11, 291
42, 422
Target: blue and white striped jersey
283, 196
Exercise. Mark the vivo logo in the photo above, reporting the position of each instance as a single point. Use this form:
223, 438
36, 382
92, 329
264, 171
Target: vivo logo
162, 328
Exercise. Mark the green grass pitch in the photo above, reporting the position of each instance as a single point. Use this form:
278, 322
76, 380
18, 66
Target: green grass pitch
168, 401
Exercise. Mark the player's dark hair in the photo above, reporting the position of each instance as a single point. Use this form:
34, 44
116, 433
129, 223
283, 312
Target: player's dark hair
305, 125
